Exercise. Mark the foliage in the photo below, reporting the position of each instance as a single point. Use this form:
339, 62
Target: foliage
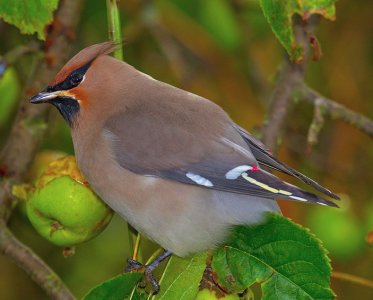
286, 259
120, 287
181, 277
283, 257
29, 16
279, 15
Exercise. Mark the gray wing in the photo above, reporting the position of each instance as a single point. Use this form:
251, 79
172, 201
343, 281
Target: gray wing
209, 153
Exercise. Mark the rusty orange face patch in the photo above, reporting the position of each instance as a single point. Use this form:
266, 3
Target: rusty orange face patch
79, 95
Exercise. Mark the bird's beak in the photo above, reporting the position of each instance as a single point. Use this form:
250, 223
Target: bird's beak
43, 97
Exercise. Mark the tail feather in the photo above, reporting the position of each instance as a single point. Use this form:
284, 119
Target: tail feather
265, 158
281, 189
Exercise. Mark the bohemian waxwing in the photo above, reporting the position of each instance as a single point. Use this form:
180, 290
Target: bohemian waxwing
171, 163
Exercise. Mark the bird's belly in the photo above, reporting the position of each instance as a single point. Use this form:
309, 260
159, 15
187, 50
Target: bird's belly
180, 218
179, 221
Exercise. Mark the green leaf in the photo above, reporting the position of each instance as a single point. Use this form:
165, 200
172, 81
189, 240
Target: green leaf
117, 288
181, 277
285, 258
279, 15
29, 16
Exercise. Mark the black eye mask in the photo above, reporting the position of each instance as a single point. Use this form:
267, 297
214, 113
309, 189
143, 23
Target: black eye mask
71, 81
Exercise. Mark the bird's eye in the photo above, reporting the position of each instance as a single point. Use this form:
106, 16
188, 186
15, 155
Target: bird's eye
75, 79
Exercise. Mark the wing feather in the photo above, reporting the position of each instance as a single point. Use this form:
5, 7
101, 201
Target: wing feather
147, 144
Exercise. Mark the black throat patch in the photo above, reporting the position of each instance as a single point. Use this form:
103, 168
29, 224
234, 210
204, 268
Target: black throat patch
68, 108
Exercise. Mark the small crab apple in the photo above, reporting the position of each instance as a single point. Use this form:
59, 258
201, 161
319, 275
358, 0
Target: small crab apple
63, 208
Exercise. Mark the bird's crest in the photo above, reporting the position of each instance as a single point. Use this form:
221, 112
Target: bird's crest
87, 55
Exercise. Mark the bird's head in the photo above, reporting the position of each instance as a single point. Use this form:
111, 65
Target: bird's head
83, 79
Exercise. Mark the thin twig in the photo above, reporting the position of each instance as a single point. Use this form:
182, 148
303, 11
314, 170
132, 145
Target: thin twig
353, 279
316, 125
115, 31
136, 248
12, 56
336, 110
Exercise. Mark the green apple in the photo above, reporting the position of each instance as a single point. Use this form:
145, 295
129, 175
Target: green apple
41, 162
38, 166
63, 208
60, 167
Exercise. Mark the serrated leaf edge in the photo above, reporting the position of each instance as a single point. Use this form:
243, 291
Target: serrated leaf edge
273, 217
273, 270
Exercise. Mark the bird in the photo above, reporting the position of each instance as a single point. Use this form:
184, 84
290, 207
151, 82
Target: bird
173, 164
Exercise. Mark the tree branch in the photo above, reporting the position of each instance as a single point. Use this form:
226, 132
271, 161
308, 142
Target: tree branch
336, 110
11, 57
280, 104
36, 268
25, 136
31, 120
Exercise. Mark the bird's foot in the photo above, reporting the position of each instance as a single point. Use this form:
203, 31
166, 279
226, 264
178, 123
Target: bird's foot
135, 266
150, 278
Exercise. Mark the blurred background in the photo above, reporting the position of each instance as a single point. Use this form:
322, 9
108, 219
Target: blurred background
225, 51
